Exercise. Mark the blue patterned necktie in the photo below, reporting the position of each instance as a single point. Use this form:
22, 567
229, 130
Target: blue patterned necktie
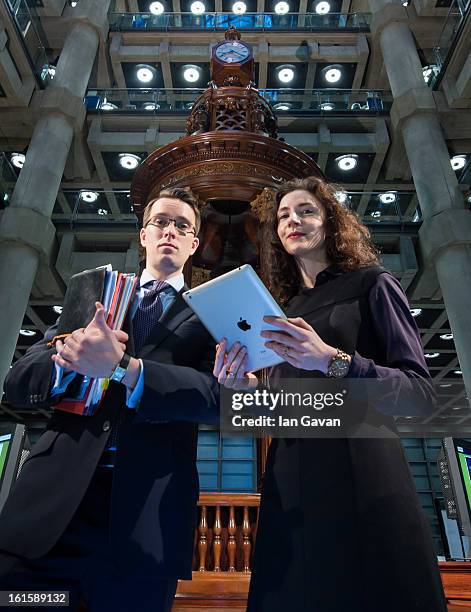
148, 313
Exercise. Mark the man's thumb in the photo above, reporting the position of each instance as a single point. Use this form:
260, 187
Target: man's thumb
100, 314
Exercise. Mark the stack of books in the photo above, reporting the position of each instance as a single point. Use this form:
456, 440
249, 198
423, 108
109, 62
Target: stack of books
115, 291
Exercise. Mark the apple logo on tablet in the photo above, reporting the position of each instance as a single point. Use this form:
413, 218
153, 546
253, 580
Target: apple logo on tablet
243, 325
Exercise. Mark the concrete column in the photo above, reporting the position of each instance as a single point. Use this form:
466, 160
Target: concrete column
27, 235
401, 58
445, 235
453, 267
78, 52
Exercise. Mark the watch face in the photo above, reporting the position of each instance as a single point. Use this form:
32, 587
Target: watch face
232, 52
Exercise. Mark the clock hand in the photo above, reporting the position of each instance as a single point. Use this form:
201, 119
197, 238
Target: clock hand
238, 53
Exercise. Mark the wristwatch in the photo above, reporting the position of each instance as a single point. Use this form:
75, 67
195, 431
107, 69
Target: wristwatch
120, 370
339, 365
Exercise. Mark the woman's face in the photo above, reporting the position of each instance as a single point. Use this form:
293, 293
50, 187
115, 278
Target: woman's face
301, 226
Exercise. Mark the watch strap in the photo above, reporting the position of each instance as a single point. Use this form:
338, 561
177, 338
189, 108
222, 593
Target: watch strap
120, 370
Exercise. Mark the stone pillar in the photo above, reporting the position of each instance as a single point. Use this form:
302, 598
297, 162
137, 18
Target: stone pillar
445, 234
27, 234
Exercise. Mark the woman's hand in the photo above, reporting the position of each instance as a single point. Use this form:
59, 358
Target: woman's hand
298, 344
230, 367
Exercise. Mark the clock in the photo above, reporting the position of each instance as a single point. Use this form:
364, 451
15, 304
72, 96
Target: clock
232, 63
232, 52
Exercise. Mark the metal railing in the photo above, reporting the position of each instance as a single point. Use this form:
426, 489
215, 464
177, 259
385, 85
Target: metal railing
162, 101
86, 206
8, 178
449, 34
383, 207
32, 35
247, 21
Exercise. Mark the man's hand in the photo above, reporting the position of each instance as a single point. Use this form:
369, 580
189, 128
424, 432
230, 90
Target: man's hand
94, 351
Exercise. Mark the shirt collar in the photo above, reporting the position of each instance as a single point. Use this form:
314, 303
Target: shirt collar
328, 274
323, 277
176, 282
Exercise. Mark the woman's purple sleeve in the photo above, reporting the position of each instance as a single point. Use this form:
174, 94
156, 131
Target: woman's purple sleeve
396, 331
403, 371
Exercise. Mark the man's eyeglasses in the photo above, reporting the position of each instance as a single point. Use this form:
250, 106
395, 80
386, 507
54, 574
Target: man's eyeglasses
182, 227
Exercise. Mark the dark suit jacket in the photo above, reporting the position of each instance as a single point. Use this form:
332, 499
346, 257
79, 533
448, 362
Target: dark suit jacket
155, 487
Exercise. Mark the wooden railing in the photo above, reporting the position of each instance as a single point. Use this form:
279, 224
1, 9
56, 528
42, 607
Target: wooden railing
227, 526
222, 554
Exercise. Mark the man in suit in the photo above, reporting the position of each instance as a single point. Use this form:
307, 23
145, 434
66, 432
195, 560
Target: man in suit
105, 506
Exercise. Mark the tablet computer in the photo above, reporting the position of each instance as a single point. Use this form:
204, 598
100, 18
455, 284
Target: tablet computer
232, 306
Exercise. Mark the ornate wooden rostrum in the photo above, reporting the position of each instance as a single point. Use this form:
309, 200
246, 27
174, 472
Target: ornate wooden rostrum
230, 154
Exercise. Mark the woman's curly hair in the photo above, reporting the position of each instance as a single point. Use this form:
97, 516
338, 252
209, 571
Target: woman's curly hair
348, 242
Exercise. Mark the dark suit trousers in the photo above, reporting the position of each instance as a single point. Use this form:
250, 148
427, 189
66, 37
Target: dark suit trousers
81, 563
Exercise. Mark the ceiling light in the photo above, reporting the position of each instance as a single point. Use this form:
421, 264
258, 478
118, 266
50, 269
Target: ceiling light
332, 74
327, 106
191, 73
445, 385
282, 106
387, 198
375, 214
156, 8
415, 312
458, 162
431, 355
102, 211
197, 8
88, 196
347, 162
430, 71
18, 159
189, 105
322, 8
150, 106
341, 196
457, 372
239, 8
281, 8
108, 106
27, 332
446, 336
129, 161
57, 309
73, 4
285, 73
145, 73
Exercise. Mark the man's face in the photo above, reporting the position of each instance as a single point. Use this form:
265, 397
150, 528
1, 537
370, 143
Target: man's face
167, 248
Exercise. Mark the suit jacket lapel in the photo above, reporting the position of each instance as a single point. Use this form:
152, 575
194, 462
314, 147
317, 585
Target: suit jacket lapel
175, 314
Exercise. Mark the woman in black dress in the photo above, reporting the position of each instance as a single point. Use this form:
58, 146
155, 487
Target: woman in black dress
340, 528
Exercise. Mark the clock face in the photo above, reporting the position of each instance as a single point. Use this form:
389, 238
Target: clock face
232, 52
